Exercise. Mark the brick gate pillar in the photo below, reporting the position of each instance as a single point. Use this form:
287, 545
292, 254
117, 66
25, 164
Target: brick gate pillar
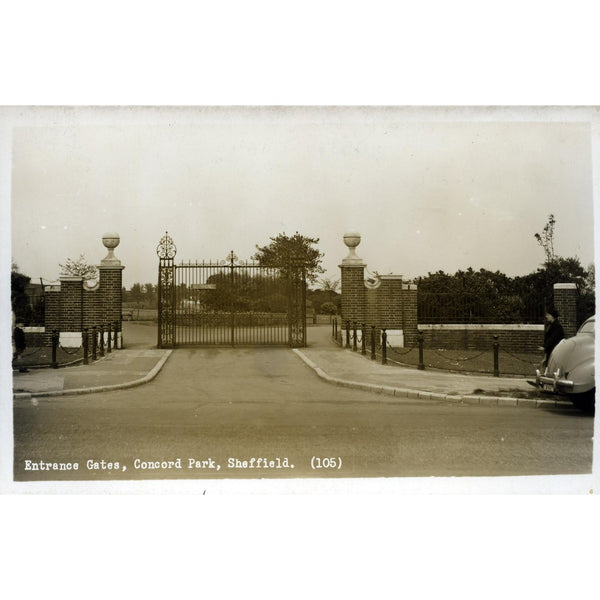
565, 302
111, 290
353, 283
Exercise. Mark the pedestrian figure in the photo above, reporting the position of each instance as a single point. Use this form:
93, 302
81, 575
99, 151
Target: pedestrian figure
19, 342
553, 334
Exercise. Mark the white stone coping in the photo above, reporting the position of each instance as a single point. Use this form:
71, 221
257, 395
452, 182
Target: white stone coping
390, 277
358, 336
70, 339
353, 262
74, 339
111, 262
565, 286
69, 278
480, 327
395, 337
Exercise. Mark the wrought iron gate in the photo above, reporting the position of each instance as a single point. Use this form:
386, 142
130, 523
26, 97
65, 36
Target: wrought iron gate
228, 302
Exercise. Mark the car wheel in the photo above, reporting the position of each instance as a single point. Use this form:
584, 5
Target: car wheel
585, 402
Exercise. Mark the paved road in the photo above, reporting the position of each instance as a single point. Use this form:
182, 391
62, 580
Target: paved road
214, 404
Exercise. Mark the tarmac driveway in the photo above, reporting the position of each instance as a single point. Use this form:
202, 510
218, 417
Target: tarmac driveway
220, 405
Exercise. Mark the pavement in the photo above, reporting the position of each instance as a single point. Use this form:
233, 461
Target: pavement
139, 362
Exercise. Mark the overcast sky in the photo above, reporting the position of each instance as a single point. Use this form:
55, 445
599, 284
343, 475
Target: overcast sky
428, 189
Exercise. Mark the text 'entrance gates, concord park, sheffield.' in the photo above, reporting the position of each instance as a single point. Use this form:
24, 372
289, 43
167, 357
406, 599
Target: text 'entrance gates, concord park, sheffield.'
229, 302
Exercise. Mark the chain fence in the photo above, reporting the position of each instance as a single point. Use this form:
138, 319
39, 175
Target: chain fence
525, 361
457, 360
486, 361
71, 352
96, 342
32, 353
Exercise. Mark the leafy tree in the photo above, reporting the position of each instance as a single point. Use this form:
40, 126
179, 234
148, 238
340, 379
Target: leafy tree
79, 268
243, 293
589, 284
328, 308
291, 253
558, 269
151, 294
487, 296
326, 294
135, 293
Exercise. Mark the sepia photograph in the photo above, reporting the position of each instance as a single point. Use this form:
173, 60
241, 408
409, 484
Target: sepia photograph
301, 301
300, 298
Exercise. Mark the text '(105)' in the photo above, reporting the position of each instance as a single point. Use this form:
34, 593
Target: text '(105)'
317, 462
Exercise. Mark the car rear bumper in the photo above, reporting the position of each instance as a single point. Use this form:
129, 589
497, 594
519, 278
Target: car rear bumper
553, 383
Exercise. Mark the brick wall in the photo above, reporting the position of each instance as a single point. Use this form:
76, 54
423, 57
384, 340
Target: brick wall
409, 301
565, 302
514, 338
72, 306
36, 337
389, 303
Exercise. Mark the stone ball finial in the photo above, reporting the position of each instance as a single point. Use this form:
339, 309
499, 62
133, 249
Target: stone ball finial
352, 238
111, 241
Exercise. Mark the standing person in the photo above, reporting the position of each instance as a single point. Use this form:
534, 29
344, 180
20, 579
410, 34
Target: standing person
553, 334
19, 341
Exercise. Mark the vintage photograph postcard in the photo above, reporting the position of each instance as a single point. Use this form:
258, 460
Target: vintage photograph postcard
298, 299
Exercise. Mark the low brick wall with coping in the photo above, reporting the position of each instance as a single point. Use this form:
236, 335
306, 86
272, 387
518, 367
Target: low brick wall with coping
74, 305
386, 301
512, 337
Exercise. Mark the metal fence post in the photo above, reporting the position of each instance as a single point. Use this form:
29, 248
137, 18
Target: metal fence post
116, 335
348, 332
373, 355
54, 363
383, 347
496, 362
109, 340
364, 339
102, 339
354, 340
421, 365
86, 358
94, 342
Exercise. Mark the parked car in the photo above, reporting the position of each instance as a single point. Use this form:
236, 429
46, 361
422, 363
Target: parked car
570, 369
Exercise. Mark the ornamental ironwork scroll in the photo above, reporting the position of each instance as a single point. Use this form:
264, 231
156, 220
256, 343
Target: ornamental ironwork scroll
166, 251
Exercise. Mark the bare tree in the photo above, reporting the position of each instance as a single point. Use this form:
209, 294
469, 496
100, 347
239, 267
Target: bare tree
329, 285
546, 239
